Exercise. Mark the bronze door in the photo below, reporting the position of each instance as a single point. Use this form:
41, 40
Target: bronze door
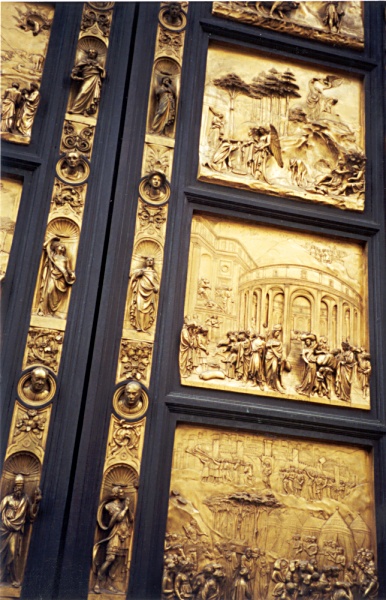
195, 283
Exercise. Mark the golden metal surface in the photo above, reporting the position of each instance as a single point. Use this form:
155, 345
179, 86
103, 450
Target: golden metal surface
337, 23
282, 128
25, 32
11, 190
277, 313
26, 446
255, 516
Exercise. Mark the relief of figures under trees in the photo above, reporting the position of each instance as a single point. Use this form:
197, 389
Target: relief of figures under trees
282, 128
259, 518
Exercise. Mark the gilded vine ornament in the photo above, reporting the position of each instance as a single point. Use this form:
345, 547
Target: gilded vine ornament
43, 347
101, 19
30, 423
135, 358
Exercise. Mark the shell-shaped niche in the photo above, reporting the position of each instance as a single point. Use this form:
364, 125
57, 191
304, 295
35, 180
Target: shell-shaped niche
20, 463
123, 475
144, 249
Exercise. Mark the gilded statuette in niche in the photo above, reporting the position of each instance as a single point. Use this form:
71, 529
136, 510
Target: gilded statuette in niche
111, 552
276, 313
260, 517
25, 33
282, 128
88, 75
19, 507
338, 23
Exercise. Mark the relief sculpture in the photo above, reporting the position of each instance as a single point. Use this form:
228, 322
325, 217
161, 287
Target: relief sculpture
277, 313
338, 23
25, 33
19, 507
258, 518
11, 190
88, 74
286, 131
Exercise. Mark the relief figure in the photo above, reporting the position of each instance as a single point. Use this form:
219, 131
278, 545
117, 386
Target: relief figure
16, 509
115, 517
144, 289
57, 277
165, 112
90, 73
37, 387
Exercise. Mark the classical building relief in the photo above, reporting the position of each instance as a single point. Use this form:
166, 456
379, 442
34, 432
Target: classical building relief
19, 507
252, 516
338, 23
44, 347
25, 32
282, 129
11, 190
276, 312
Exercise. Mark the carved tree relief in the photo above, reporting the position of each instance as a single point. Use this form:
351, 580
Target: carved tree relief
282, 129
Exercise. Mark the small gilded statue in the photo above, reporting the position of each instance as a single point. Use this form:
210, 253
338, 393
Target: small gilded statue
57, 277
15, 510
118, 514
90, 73
144, 288
165, 112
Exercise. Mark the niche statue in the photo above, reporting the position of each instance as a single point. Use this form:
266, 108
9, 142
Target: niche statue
15, 510
57, 277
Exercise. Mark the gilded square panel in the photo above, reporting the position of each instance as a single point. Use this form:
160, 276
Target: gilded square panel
11, 190
260, 517
337, 23
284, 128
25, 33
275, 312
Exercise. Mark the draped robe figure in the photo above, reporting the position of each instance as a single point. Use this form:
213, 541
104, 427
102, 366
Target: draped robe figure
56, 279
27, 114
11, 100
144, 288
273, 361
166, 106
90, 73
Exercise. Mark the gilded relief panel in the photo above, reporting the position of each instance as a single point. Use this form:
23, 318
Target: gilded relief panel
276, 313
11, 190
282, 128
254, 516
25, 33
337, 23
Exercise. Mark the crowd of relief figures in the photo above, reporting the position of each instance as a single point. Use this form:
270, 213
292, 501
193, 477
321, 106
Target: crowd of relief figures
268, 311
25, 33
282, 128
259, 517
333, 22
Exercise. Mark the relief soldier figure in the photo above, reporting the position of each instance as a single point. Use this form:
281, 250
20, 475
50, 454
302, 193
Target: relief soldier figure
116, 509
